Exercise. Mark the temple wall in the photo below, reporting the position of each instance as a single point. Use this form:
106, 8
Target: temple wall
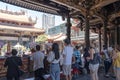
26, 66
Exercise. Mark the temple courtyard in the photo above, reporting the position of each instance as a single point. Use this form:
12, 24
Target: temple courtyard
80, 77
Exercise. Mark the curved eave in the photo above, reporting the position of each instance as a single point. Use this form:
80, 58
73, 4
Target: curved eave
103, 3
32, 6
33, 30
32, 23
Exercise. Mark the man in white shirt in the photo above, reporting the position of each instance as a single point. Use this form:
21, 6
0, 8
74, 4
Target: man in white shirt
38, 65
67, 55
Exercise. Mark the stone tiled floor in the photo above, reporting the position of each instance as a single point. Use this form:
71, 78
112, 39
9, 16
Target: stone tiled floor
85, 77
80, 77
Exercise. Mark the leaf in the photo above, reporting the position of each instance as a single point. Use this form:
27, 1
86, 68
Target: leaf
41, 38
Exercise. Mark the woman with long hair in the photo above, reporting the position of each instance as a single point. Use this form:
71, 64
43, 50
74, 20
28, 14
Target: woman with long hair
54, 58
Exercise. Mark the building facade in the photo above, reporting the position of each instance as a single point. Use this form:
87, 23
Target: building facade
76, 33
17, 27
48, 21
57, 29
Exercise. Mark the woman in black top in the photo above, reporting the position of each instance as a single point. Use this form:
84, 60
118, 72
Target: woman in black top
12, 63
93, 63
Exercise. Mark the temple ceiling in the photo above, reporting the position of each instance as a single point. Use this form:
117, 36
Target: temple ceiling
98, 9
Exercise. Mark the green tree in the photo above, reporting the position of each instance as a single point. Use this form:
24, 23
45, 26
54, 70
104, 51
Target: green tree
41, 38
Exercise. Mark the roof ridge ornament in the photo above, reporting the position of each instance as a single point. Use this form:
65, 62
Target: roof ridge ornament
6, 11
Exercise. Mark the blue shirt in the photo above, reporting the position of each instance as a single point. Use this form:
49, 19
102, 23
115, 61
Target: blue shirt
77, 55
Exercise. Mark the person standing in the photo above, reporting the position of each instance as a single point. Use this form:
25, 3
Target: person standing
67, 62
77, 55
116, 63
54, 58
12, 63
93, 63
107, 61
38, 65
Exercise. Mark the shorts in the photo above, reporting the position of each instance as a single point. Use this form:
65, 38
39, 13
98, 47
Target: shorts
93, 67
67, 70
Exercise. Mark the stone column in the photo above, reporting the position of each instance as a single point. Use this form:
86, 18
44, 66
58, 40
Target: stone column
68, 27
20, 39
8, 47
115, 35
99, 28
110, 38
116, 22
87, 27
32, 38
87, 4
105, 20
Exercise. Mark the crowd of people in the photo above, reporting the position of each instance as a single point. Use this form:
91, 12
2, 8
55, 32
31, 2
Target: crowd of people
70, 60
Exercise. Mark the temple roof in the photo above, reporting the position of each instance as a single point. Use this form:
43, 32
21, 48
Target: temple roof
15, 16
46, 6
3, 27
16, 31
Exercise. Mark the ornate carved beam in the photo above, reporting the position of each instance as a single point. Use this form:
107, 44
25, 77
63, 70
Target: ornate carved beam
113, 16
71, 5
101, 3
74, 13
100, 20
95, 21
68, 27
32, 5
87, 32
40, 4
103, 15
